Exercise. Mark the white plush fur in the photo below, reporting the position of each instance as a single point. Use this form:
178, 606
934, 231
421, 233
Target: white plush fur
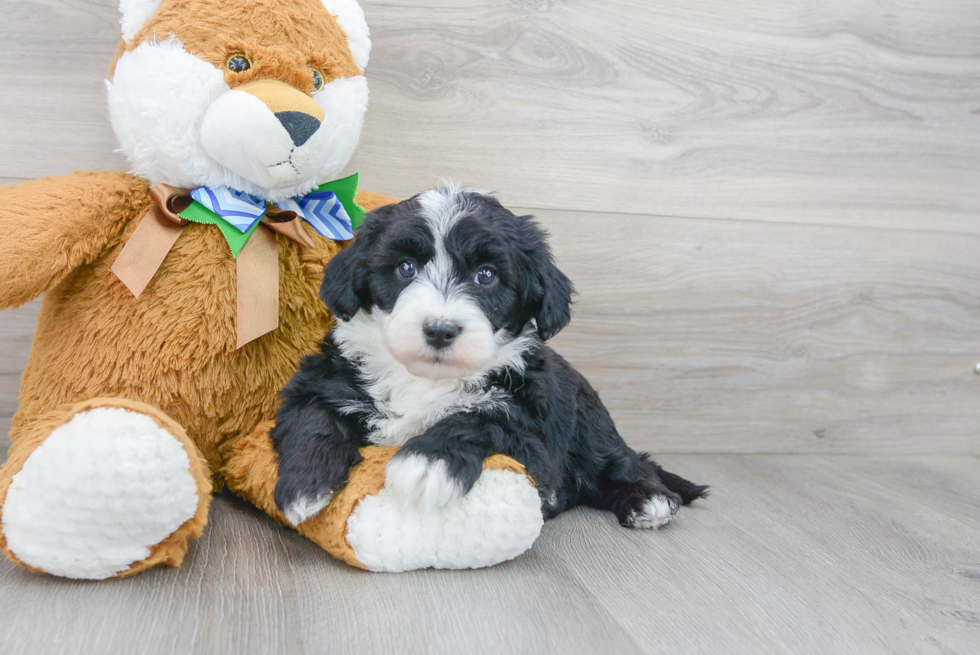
134, 14
656, 512
350, 17
496, 521
417, 480
98, 494
161, 96
267, 157
408, 404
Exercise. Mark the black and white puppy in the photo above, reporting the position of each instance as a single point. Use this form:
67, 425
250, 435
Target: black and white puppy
444, 302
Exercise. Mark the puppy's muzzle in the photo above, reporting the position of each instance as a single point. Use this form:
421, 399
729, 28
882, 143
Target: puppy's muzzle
440, 333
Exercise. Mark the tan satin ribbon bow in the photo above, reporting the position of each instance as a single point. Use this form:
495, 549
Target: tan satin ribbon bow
257, 265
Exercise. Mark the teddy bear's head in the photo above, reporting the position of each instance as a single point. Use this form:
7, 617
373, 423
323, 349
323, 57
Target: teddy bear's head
262, 96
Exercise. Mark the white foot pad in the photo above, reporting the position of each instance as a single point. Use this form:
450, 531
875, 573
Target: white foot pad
97, 494
496, 521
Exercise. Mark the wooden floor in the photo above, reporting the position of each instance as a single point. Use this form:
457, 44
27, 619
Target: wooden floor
791, 554
772, 214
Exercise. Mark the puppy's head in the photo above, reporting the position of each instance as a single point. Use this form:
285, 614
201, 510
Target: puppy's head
449, 283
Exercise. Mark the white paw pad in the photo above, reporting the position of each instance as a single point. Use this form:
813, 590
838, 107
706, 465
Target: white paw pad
417, 480
655, 513
98, 494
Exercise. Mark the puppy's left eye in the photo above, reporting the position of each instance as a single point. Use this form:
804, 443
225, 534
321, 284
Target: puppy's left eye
485, 276
317, 80
407, 270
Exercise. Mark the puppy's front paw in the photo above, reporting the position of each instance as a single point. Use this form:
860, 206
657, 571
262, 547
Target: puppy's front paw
416, 479
655, 512
306, 507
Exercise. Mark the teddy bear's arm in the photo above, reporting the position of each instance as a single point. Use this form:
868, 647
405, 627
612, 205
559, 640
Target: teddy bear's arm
48, 227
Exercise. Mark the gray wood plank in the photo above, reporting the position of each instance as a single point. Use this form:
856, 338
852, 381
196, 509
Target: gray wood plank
791, 554
838, 112
16, 335
530, 605
54, 118
847, 112
741, 336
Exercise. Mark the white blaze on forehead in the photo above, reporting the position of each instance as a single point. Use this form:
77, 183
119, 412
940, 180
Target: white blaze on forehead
442, 207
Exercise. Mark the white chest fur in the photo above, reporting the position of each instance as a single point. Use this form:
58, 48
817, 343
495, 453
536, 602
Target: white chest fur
408, 407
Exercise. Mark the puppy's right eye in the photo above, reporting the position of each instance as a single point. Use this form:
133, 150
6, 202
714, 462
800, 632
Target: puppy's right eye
407, 270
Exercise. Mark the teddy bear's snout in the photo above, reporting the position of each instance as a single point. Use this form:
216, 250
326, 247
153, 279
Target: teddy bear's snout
268, 132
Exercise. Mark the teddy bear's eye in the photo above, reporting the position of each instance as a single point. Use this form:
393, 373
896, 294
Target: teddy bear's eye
317, 80
238, 63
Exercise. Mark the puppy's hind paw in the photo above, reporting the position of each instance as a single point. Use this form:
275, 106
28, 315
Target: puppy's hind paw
304, 508
656, 512
417, 480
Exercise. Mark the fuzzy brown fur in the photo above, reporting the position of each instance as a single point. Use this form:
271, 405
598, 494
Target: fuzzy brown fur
172, 351
284, 41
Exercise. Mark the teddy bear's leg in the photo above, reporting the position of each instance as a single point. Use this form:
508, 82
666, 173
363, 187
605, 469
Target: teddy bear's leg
366, 526
101, 489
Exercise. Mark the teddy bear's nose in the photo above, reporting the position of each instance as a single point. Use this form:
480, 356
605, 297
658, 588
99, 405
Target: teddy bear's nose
299, 125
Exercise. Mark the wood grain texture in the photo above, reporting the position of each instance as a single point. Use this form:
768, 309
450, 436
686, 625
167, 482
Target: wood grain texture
791, 554
710, 335
795, 554
844, 112
16, 335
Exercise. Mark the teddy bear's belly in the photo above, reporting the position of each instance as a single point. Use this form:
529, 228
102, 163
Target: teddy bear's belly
174, 347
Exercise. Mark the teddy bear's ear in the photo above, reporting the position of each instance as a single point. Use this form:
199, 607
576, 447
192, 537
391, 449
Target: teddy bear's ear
350, 17
135, 14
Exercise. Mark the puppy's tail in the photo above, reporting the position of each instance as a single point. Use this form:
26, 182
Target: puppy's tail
687, 490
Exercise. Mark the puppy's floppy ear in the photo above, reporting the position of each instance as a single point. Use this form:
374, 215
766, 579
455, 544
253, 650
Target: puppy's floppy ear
550, 291
343, 286
556, 300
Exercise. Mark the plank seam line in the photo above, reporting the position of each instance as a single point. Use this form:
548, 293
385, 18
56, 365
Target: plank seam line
757, 221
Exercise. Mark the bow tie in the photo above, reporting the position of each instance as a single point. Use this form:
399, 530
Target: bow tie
329, 209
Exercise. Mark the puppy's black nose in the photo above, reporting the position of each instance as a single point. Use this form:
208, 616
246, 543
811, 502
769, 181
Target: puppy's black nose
299, 125
440, 333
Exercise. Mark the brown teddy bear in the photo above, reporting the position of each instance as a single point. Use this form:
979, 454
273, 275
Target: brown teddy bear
179, 298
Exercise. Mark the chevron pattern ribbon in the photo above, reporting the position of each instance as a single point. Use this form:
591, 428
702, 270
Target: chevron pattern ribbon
329, 209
